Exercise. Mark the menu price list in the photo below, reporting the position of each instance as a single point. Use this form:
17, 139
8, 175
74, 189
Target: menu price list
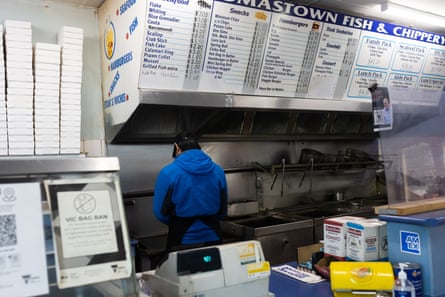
217, 46
286, 51
170, 29
232, 34
334, 55
396, 63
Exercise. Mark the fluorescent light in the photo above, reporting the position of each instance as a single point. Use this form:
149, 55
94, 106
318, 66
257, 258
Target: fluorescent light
398, 11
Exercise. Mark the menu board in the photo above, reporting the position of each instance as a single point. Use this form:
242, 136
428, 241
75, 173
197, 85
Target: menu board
266, 48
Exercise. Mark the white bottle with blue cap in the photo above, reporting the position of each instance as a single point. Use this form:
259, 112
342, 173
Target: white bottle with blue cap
403, 287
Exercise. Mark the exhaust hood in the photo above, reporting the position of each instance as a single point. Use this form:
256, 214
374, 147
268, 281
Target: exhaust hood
159, 123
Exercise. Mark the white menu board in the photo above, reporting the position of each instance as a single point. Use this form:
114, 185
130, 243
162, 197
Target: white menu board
235, 46
266, 48
23, 269
286, 50
336, 49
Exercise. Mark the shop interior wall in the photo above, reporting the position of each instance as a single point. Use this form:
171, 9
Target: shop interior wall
47, 19
140, 165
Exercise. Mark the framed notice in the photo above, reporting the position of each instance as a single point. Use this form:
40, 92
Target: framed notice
90, 235
381, 109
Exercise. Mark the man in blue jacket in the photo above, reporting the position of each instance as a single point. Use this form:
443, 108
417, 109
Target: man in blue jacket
190, 196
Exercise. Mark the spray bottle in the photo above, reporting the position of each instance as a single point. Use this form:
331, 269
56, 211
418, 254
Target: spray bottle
403, 287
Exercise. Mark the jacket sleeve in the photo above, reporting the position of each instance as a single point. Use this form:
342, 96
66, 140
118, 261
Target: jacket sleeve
162, 187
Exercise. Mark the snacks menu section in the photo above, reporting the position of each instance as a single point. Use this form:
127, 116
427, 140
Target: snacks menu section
277, 48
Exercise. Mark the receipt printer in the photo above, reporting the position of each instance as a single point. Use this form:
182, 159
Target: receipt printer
235, 269
361, 278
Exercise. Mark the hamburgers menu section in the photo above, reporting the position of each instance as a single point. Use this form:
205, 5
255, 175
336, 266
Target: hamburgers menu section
278, 48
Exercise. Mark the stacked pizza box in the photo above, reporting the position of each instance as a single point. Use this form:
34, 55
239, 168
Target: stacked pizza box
3, 126
19, 87
46, 98
71, 42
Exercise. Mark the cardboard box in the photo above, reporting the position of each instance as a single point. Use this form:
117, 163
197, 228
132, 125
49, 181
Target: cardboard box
334, 235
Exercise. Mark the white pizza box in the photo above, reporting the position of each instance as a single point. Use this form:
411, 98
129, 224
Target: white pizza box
17, 38
27, 143
47, 67
19, 74
19, 118
47, 105
19, 91
73, 118
47, 59
70, 151
53, 80
47, 112
18, 54
16, 24
72, 29
69, 140
18, 104
66, 92
20, 84
72, 62
71, 78
45, 72
13, 151
46, 125
44, 46
73, 46
27, 111
15, 57
19, 65
42, 132
20, 101
71, 54
41, 94
70, 85
20, 138
69, 130
69, 37
47, 86
64, 100
17, 34
39, 138
25, 125
71, 69
70, 108
48, 143
47, 151
18, 44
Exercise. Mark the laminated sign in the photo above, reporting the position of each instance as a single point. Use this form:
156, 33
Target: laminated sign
91, 239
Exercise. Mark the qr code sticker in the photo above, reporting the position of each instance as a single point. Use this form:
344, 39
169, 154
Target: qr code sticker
8, 230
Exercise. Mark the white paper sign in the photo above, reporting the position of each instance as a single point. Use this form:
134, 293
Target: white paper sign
86, 223
91, 238
23, 269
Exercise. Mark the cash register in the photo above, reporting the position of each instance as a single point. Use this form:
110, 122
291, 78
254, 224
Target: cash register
233, 269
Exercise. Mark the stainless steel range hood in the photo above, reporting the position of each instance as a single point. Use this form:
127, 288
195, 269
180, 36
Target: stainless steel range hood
160, 115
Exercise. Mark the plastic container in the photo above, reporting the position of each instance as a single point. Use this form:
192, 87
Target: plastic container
403, 287
420, 239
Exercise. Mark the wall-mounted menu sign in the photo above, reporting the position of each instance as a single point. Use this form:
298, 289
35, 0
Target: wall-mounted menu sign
279, 48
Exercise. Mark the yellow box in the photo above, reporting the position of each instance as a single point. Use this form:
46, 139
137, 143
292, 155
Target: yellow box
357, 278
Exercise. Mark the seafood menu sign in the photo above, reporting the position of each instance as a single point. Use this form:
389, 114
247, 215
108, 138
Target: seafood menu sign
282, 48
257, 47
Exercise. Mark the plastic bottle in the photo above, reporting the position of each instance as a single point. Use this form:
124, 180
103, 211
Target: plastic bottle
403, 287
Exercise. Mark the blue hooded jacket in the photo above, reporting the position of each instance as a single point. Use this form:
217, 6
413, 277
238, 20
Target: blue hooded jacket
198, 188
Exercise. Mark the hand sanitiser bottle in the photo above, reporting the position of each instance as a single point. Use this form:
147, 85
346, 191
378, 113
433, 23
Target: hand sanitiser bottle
403, 287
